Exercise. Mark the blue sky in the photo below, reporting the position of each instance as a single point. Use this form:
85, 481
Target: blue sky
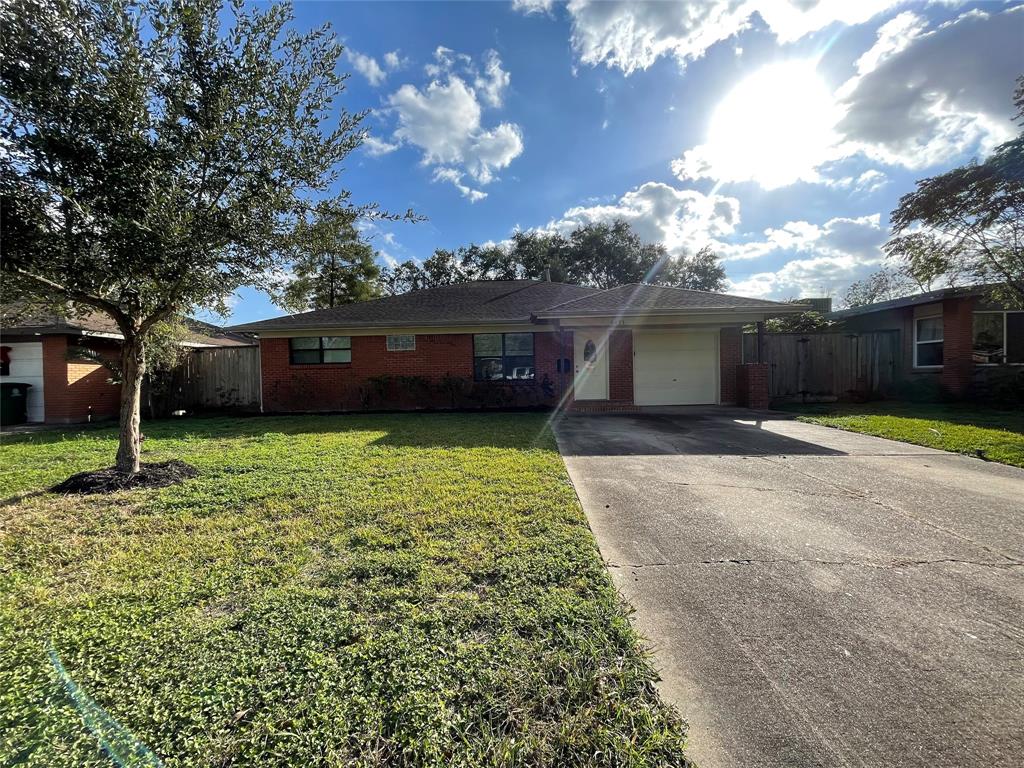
782, 133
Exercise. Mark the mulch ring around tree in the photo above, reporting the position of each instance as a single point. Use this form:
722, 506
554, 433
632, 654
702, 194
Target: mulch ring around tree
110, 480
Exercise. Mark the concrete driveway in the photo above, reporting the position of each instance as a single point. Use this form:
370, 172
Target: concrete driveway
814, 597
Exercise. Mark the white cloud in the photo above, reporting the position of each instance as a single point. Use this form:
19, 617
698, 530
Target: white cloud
444, 119
684, 220
491, 84
921, 98
393, 60
867, 182
533, 6
834, 254
445, 61
367, 66
375, 147
455, 178
840, 236
631, 36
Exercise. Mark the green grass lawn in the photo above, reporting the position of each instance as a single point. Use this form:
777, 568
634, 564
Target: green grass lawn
364, 590
996, 435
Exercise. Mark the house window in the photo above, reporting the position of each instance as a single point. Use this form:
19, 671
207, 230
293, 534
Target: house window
998, 338
503, 356
404, 342
928, 342
312, 350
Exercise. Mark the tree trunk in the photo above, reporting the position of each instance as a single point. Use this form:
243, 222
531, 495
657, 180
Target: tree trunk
133, 366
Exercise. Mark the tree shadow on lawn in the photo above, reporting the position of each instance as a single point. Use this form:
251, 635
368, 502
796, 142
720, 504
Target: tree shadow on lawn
428, 429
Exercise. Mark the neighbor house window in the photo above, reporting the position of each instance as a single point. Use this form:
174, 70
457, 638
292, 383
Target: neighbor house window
998, 338
403, 342
503, 356
311, 350
928, 342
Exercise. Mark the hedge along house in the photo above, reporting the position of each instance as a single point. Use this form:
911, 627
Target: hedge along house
64, 389
954, 340
515, 343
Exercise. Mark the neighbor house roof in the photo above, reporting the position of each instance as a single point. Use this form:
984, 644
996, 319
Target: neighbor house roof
909, 301
639, 299
472, 303
15, 322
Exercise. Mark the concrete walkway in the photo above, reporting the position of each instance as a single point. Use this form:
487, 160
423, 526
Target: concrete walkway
814, 597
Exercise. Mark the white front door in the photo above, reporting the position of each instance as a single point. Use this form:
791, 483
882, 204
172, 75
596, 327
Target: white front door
675, 367
590, 354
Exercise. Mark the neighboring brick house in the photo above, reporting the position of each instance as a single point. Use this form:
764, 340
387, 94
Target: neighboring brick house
39, 351
519, 342
954, 339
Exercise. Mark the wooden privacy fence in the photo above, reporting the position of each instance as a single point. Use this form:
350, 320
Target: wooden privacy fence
825, 366
210, 379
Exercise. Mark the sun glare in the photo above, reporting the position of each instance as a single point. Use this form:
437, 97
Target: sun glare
774, 128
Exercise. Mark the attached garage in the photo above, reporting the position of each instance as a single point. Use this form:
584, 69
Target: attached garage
675, 367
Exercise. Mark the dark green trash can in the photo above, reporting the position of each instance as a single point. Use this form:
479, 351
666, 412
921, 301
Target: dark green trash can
13, 403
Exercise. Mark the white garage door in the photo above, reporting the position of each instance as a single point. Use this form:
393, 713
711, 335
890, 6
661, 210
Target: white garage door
27, 368
675, 367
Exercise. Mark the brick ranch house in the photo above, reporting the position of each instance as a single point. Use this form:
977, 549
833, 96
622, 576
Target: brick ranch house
955, 340
39, 351
514, 343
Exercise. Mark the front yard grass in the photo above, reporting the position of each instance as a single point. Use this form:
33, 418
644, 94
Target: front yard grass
417, 589
995, 435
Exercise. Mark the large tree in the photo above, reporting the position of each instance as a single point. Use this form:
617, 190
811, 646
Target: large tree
975, 215
602, 255
157, 155
332, 264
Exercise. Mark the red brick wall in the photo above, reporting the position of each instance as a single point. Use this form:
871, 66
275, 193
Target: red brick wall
620, 371
332, 387
752, 385
75, 390
958, 341
729, 356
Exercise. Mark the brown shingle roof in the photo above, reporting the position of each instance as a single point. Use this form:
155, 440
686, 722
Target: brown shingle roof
638, 298
15, 322
482, 301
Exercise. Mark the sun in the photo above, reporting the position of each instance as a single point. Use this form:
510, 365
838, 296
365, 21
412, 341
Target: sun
775, 127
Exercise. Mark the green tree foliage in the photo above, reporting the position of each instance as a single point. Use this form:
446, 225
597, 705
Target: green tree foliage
158, 155
331, 265
805, 322
883, 285
599, 255
975, 214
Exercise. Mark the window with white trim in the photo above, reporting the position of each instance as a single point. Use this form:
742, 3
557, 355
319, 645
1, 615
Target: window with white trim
928, 342
998, 338
401, 342
314, 350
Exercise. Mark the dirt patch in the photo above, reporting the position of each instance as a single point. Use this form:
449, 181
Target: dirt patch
110, 480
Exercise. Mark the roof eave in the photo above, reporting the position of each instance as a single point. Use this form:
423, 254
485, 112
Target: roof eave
784, 309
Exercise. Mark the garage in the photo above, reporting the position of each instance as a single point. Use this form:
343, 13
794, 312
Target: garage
24, 363
675, 367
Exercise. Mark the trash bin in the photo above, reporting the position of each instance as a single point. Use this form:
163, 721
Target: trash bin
13, 402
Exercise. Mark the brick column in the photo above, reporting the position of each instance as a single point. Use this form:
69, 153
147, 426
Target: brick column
958, 342
752, 385
729, 355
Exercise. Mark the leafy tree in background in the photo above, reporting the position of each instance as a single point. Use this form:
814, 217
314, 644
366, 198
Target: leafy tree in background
883, 285
160, 154
975, 214
602, 255
331, 265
